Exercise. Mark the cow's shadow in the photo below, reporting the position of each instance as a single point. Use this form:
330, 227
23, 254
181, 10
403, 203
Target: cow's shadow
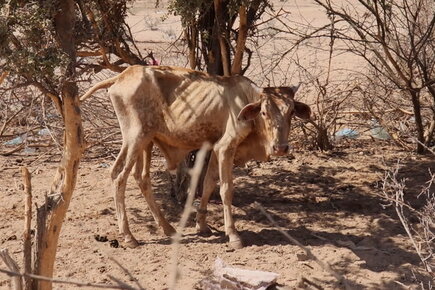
314, 191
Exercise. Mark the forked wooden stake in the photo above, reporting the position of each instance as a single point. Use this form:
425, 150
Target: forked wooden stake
27, 239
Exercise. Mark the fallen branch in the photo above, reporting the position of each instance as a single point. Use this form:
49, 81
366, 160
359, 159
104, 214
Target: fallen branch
68, 282
310, 255
13, 267
12, 151
356, 112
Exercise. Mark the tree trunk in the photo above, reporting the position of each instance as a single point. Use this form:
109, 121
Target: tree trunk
418, 121
241, 41
52, 214
214, 58
63, 185
431, 130
191, 33
322, 139
225, 54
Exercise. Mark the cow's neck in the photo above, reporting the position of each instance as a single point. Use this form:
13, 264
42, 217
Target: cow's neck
253, 146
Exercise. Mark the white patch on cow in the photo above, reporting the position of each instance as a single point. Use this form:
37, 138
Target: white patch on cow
257, 89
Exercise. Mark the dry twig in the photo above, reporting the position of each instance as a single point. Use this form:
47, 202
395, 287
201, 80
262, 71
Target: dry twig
128, 273
68, 282
393, 190
176, 238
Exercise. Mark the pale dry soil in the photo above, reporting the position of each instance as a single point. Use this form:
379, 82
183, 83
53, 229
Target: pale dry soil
327, 201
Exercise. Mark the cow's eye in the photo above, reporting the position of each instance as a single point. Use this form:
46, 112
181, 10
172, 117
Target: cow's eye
263, 113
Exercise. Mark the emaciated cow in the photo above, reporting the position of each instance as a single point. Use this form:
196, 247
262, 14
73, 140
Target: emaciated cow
179, 109
253, 147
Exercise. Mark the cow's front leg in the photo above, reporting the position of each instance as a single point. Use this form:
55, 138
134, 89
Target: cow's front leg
225, 159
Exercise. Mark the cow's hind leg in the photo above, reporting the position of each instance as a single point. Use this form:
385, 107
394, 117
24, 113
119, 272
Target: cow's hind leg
209, 185
120, 171
142, 176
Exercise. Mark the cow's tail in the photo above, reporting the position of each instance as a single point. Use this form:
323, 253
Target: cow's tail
101, 85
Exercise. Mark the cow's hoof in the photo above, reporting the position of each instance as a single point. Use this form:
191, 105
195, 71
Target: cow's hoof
235, 241
169, 230
235, 244
131, 243
203, 231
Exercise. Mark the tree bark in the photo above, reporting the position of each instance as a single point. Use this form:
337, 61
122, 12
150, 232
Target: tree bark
418, 121
63, 185
64, 182
226, 63
27, 242
191, 33
430, 131
241, 41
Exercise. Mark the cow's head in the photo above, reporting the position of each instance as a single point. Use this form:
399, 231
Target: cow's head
272, 115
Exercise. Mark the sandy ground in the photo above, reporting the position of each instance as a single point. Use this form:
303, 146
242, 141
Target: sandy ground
325, 200
328, 201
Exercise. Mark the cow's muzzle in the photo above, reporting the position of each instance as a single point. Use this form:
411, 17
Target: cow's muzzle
281, 149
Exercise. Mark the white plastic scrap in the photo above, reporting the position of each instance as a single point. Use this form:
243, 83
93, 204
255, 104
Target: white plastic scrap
226, 277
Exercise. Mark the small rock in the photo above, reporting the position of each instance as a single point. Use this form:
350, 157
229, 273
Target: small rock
302, 257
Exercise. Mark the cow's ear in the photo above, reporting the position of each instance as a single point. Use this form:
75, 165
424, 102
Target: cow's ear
250, 111
302, 110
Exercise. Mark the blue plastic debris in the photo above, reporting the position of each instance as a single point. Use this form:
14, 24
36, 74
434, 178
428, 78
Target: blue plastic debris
16, 141
347, 133
103, 165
